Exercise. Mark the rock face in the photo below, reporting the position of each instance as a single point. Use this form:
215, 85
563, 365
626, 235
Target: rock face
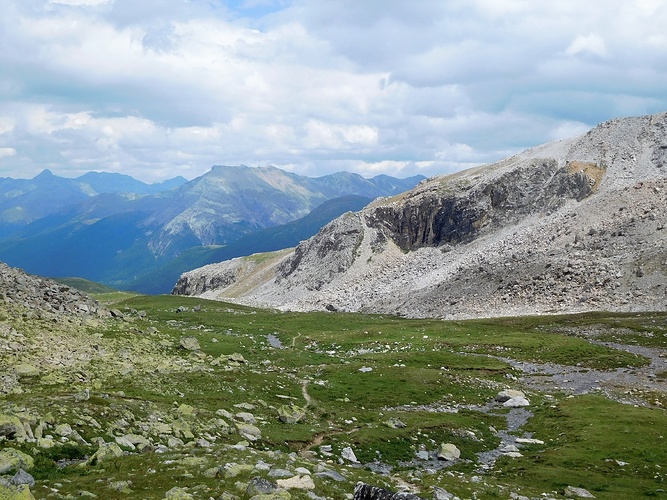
569, 226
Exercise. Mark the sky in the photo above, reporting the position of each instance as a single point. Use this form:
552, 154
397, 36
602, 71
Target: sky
160, 88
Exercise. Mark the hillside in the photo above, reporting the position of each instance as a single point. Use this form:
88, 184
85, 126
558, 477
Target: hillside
162, 278
573, 225
166, 397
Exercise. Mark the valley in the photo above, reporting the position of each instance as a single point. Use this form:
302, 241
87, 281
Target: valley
495, 333
177, 397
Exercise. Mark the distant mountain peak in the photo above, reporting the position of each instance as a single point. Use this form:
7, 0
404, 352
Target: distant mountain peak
44, 174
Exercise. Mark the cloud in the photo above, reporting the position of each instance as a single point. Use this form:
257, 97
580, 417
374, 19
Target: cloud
4, 152
166, 87
590, 44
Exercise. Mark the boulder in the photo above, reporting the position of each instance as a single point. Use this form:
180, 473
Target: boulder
331, 474
63, 430
573, 491
304, 482
190, 344
177, 493
516, 402
105, 452
236, 358
248, 431
364, 491
395, 423
233, 469
442, 494
291, 414
26, 370
11, 427
247, 417
260, 486
22, 477
348, 454
508, 394
15, 492
11, 460
186, 410
449, 452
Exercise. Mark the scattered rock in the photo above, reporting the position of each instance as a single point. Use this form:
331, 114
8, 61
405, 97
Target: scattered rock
11, 460
449, 452
105, 452
248, 431
291, 414
573, 491
190, 344
364, 491
304, 482
26, 370
508, 394
331, 474
348, 454
177, 493
15, 492
395, 423
22, 477
260, 486
11, 427
442, 494
516, 402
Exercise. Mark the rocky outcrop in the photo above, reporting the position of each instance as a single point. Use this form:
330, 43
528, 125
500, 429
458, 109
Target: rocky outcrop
463, 210
43, 296
573, 225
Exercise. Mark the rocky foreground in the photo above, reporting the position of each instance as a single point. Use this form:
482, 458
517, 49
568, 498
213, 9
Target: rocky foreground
569, 226
175, 398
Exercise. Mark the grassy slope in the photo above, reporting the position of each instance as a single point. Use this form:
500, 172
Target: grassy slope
414, 362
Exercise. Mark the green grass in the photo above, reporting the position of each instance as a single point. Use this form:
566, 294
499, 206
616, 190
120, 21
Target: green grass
416, 367
588, 441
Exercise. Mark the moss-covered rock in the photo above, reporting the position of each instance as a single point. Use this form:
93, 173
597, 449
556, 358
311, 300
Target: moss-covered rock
15, 492
11, 427
105, 452
11, 460
291, 414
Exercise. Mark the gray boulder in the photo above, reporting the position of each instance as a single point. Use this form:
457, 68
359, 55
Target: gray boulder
449, 452
22, 477
190, 344
573, 491
260, 486
364, 491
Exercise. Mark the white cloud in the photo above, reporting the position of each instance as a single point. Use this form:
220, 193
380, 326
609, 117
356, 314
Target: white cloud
589, 44
79, 3
165, 87
6, 125
6, 152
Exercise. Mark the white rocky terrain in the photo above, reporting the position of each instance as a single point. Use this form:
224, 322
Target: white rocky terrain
573, 225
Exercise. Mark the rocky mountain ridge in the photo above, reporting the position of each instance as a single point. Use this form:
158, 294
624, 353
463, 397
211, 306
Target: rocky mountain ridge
568, 226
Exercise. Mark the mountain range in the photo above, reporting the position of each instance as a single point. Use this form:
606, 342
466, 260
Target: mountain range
572, 225
122, 232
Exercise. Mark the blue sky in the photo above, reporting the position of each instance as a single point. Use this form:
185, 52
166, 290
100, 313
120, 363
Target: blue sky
159, 88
